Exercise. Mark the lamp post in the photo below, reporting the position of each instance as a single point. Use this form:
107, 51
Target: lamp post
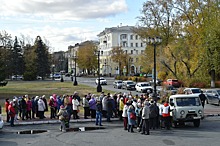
154, 41
75, 82
99, 87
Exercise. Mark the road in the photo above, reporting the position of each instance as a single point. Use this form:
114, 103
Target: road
113, 135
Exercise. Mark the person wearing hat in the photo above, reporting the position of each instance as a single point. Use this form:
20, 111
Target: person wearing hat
98, 120
64, 118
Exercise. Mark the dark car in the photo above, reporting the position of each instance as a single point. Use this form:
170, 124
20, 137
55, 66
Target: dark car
117, 84
128, 85
212, 96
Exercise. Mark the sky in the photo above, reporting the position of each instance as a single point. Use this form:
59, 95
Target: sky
66, 22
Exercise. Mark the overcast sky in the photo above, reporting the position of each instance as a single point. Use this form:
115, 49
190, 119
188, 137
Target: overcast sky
66, 22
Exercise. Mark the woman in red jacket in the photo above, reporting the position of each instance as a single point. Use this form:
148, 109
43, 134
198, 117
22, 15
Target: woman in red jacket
11, 111
6, 109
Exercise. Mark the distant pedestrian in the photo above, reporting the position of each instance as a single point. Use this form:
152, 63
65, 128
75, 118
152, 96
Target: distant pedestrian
166, 115
23, 107
202, 98
75, 104
28, 109
92, 106
131, 118
52, 107
41, 108
125, 115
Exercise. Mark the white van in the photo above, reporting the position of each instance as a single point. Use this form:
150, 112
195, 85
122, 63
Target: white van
186, 108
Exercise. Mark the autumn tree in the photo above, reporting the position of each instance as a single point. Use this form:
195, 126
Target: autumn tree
87, 59
119, 56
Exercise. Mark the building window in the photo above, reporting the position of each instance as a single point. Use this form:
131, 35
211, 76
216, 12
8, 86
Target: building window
136, 37
142, 51
124, 44
136, 51
123, 36
141, 44
131, 51
132, 59
136, 44
131, 37
131, 44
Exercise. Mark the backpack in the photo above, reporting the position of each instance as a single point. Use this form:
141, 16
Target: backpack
65, 115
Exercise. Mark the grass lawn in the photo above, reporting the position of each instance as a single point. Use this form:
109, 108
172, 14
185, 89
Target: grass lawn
39, 88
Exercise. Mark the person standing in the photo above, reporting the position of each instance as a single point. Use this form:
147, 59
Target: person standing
125, 115
166, 115
131, 118
85, 104
33, 107
121, 107
75, 104
7, 103
11, 111
92, 106
202, 98
153, 115
46, 106
52, 107
63, 117
145, 118
41, 108
29, 107
98, 113
23, 107
109, 108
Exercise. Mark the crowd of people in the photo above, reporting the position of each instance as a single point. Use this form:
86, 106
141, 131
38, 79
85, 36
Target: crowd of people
141, 112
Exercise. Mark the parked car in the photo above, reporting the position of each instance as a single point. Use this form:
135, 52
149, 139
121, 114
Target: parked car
186, 108
128, 85
102, 81
212, 96
143, 87
1, 119
39, 78
117, 84
17, 77
192, 91
168, 90
173, 82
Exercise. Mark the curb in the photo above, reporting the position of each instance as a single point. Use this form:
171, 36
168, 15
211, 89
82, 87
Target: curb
55, 122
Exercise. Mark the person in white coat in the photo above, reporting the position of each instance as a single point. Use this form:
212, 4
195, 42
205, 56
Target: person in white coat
145, 118
75, 103
41, 108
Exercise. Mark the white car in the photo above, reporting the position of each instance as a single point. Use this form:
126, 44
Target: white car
192, 91
17, 77
102, 81
143, 87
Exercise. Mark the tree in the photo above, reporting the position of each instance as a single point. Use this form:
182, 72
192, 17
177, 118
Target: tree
87, 59
184, 27
119, 56
42, 57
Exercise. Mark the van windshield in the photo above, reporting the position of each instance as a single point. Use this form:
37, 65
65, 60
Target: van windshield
192, 101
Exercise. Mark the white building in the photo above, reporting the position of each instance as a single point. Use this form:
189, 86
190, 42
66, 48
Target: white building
129, 41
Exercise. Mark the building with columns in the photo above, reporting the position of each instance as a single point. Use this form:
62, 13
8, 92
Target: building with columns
131, 43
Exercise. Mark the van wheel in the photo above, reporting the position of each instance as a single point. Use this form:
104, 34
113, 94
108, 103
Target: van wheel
174, 125
196, 123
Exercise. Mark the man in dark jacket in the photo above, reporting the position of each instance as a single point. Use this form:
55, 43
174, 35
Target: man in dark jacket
202, 98
23, 107
153, 114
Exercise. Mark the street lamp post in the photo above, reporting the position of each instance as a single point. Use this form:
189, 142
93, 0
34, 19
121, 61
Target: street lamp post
154, 41
75, 82
99, 87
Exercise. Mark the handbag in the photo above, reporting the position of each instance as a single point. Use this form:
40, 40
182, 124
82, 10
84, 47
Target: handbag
132, 116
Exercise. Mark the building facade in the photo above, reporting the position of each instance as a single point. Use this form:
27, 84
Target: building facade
131, 43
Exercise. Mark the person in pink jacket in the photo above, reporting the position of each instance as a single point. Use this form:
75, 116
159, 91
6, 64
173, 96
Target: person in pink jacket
29, 107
